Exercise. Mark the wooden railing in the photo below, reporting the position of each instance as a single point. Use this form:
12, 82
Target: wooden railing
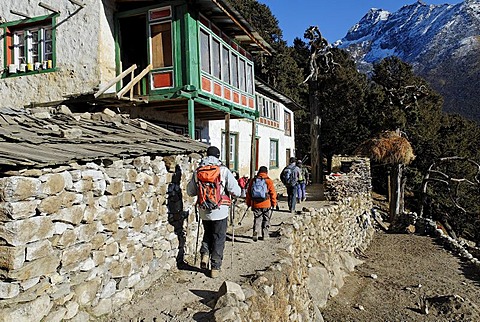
135, 80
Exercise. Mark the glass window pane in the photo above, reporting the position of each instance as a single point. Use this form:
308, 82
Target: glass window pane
234, 70
48, 48
265, 108
226, 64
241, 75
287, 122
216, 58
205, 51
48, 34
249, 79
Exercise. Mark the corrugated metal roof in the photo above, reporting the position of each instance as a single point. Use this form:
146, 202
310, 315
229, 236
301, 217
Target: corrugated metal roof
47, 137
264, 88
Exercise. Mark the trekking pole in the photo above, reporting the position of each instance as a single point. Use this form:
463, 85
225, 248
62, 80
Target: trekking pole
232, 217
198, 233
240, 222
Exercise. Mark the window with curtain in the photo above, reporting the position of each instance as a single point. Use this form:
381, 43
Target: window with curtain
226, 65
273, 154
287, 123
30, 45
232, 150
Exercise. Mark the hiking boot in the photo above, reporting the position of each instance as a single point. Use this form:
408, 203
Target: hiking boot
299, 200
204, 261
265, 234
214, 273
255, 236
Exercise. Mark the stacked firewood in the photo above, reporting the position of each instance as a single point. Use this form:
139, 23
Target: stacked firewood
357, 181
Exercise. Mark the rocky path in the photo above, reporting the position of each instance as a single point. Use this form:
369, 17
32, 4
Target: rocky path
188, 294
399, 271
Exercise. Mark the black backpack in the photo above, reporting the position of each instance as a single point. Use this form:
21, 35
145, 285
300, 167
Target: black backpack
287, 176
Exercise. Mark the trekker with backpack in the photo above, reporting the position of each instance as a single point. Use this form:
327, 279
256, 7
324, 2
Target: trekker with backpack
262, 197
243, 182
212, 183
289, 178
302, 182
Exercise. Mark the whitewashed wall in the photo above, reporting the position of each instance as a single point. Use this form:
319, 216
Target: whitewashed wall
264, 133
85, 52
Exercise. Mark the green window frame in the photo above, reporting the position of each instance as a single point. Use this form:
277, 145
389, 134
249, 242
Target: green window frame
232, 149
268, 108
221, 59
273, 160
30, 46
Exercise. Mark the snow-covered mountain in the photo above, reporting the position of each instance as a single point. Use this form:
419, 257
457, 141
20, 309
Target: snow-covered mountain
442, 42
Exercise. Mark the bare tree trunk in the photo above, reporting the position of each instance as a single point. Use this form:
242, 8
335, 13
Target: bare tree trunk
397, 193
403, 180
315, 146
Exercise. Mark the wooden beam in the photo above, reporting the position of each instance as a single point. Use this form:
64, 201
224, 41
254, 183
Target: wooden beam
78, 3
24, 15
46, 6
253, 149
227, 140
115, 80
134, 81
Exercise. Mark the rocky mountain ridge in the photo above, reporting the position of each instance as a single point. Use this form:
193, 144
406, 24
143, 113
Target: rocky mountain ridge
442, 42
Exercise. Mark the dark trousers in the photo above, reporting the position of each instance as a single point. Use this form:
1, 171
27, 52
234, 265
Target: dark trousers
213, 243
261, 222
292, 198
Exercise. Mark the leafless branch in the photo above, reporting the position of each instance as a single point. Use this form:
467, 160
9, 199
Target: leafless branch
434, 175
321, 58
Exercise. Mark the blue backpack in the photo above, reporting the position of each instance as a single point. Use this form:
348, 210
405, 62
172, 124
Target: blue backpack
259, 191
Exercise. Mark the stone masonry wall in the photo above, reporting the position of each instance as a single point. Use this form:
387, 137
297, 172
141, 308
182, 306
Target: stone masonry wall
77, 241
323, 244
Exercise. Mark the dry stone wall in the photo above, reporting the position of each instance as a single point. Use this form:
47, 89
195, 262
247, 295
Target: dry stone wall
355, 181
324, 245
77, 241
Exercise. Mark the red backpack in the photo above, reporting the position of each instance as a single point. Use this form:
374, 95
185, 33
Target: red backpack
210, 195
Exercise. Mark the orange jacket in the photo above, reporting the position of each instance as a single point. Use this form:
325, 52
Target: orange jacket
269, 202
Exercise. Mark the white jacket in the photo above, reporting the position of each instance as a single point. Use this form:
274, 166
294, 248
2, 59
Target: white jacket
229, 183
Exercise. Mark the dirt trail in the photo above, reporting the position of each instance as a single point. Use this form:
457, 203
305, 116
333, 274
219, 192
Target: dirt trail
406, 267
188, 294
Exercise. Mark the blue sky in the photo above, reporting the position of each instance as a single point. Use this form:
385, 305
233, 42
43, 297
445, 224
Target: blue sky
333, 17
